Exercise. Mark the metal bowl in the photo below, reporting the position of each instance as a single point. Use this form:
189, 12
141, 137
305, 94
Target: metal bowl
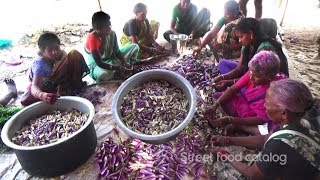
178, 43
153, 75
56, 158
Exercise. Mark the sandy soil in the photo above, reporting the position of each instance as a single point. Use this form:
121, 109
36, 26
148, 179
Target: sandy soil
302, 47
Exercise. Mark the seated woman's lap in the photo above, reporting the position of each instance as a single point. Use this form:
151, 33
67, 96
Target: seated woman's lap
226, 66
130, 53
237, 106
100, 74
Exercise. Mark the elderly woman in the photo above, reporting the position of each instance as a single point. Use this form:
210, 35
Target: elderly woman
227, 43
55, 72
291, 152
104, 56
246, 108
253, 40
138, 30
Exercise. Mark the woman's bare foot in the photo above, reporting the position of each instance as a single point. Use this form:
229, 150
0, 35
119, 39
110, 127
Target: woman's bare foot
11, 85
12, 92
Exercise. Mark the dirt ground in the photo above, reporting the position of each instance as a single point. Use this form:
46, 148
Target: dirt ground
302, 48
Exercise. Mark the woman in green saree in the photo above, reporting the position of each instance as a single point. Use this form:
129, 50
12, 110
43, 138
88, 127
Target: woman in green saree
105, 58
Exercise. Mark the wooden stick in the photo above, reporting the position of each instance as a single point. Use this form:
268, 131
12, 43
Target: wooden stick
99, 5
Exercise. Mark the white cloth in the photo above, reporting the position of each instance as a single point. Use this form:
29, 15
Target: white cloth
263, 129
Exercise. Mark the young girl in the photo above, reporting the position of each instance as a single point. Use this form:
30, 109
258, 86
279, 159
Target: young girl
55, 72
246, 109
254, 40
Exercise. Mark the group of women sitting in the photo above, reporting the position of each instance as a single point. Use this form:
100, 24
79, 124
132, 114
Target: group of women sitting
57, 73
260, 99
288, 151
262, 102
106, 60
255, 92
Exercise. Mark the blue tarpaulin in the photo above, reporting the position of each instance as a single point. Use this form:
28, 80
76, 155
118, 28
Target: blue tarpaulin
5, 43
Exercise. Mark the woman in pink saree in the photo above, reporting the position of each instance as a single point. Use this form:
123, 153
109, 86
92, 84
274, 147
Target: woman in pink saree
244, 101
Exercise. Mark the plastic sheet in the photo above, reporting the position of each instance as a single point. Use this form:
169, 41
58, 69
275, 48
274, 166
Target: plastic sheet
5, 43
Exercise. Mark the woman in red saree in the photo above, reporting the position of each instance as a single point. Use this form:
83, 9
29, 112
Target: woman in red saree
244, 101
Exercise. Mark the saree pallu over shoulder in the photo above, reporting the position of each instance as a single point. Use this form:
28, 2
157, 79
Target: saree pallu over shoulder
250, 103
227, 37
70, 71
305, 141
66, 76
110, 44
259, 93
129, 52
143, 36
110, 47
147, 31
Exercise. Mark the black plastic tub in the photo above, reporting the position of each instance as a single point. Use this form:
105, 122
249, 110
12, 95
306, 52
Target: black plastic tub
60, 157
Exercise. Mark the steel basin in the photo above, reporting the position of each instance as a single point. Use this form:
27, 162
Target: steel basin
153, 75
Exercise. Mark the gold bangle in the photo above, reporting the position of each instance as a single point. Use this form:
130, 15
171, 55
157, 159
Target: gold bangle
38, 94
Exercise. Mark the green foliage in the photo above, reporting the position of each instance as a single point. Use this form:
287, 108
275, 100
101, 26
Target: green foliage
6, 113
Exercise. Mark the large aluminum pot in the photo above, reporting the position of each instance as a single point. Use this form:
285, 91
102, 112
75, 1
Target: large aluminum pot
56, 158
152, 75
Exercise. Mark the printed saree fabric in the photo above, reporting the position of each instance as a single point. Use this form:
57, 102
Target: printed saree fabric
110, 45
227, 41
65, 78
305, 141
249, 102
143, 37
